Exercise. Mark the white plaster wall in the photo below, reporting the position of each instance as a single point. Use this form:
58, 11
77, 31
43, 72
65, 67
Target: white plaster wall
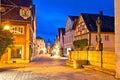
108, 45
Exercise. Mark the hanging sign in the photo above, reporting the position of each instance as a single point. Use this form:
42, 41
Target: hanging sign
25, 13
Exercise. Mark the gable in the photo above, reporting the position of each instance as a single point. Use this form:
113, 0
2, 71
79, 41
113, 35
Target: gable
90, 20
81, 27
70, 23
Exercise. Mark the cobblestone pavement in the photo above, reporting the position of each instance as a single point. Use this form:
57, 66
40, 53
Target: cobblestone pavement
46, 68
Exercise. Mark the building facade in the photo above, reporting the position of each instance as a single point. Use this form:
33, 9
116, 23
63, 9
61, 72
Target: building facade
57, 48
61, 33
117, 35
86, 29
20, 16
40, 43
69, 34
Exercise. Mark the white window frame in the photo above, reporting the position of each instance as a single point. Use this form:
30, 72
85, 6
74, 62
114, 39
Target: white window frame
17, 29
22, 55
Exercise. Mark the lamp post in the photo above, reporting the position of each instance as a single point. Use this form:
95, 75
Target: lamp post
87, 55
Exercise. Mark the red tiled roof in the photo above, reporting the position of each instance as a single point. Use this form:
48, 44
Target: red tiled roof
13, 14
17, 2
12, 9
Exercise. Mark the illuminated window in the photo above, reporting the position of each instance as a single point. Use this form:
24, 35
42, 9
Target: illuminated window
17, 29
16, 52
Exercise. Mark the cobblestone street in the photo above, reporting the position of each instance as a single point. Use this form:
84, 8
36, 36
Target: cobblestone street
48, 68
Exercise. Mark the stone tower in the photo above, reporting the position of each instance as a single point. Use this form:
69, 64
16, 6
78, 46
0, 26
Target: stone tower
117, 36
48, 46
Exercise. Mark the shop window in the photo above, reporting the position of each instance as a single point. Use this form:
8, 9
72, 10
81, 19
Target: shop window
16, 52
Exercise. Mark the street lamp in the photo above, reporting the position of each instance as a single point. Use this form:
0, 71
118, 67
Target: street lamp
6, 27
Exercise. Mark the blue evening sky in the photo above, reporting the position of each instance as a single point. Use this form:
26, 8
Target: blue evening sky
52, 14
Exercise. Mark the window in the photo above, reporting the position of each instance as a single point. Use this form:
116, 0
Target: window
16, 52
17, 29
96, 38
80, 28
107, 38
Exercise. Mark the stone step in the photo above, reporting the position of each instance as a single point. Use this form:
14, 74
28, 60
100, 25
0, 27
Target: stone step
99, 69
69, 63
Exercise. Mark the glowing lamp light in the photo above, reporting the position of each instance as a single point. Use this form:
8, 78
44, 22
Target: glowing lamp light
6, 27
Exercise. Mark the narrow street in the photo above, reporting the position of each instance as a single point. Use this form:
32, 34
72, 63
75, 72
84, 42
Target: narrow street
48, 68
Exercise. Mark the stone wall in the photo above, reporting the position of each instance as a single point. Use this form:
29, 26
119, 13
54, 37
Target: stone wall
78, 55
94, 58
103, 59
